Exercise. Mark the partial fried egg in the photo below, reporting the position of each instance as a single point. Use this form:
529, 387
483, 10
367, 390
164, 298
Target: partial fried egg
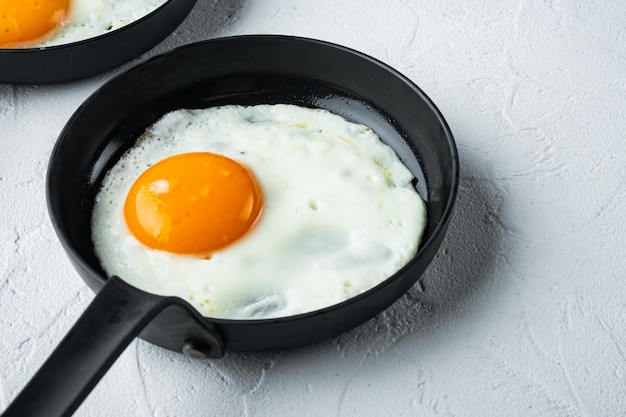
40, 23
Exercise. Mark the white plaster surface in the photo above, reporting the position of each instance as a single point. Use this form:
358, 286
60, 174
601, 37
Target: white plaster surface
522, 313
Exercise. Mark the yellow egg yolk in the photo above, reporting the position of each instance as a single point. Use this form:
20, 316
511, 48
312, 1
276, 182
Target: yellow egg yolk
23, 22
193, 203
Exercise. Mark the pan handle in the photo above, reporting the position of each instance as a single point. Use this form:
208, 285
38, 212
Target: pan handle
117, 314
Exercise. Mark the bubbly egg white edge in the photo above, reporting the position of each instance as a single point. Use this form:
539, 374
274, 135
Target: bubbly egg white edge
298, 258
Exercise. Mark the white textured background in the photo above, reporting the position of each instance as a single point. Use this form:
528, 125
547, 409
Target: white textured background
523, 311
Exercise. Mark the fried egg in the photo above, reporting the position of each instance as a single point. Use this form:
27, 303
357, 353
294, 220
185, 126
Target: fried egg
252, 212
39, 23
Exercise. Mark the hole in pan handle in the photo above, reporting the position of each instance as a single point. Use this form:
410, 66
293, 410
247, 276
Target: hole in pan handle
117, 314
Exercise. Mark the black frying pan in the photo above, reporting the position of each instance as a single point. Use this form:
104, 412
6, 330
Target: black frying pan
239, 70
82, 59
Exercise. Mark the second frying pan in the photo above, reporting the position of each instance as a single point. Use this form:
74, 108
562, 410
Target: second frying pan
73, 61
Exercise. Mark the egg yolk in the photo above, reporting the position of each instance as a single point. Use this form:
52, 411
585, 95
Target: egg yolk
193, 203
26, 21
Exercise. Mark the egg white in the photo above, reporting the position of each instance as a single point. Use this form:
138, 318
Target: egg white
340, 213
90, 18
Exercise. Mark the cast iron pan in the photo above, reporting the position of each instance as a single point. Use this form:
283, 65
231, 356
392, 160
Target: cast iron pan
244, 70
93, 56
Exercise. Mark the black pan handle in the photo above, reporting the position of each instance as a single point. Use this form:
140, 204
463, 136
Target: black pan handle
117, 314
